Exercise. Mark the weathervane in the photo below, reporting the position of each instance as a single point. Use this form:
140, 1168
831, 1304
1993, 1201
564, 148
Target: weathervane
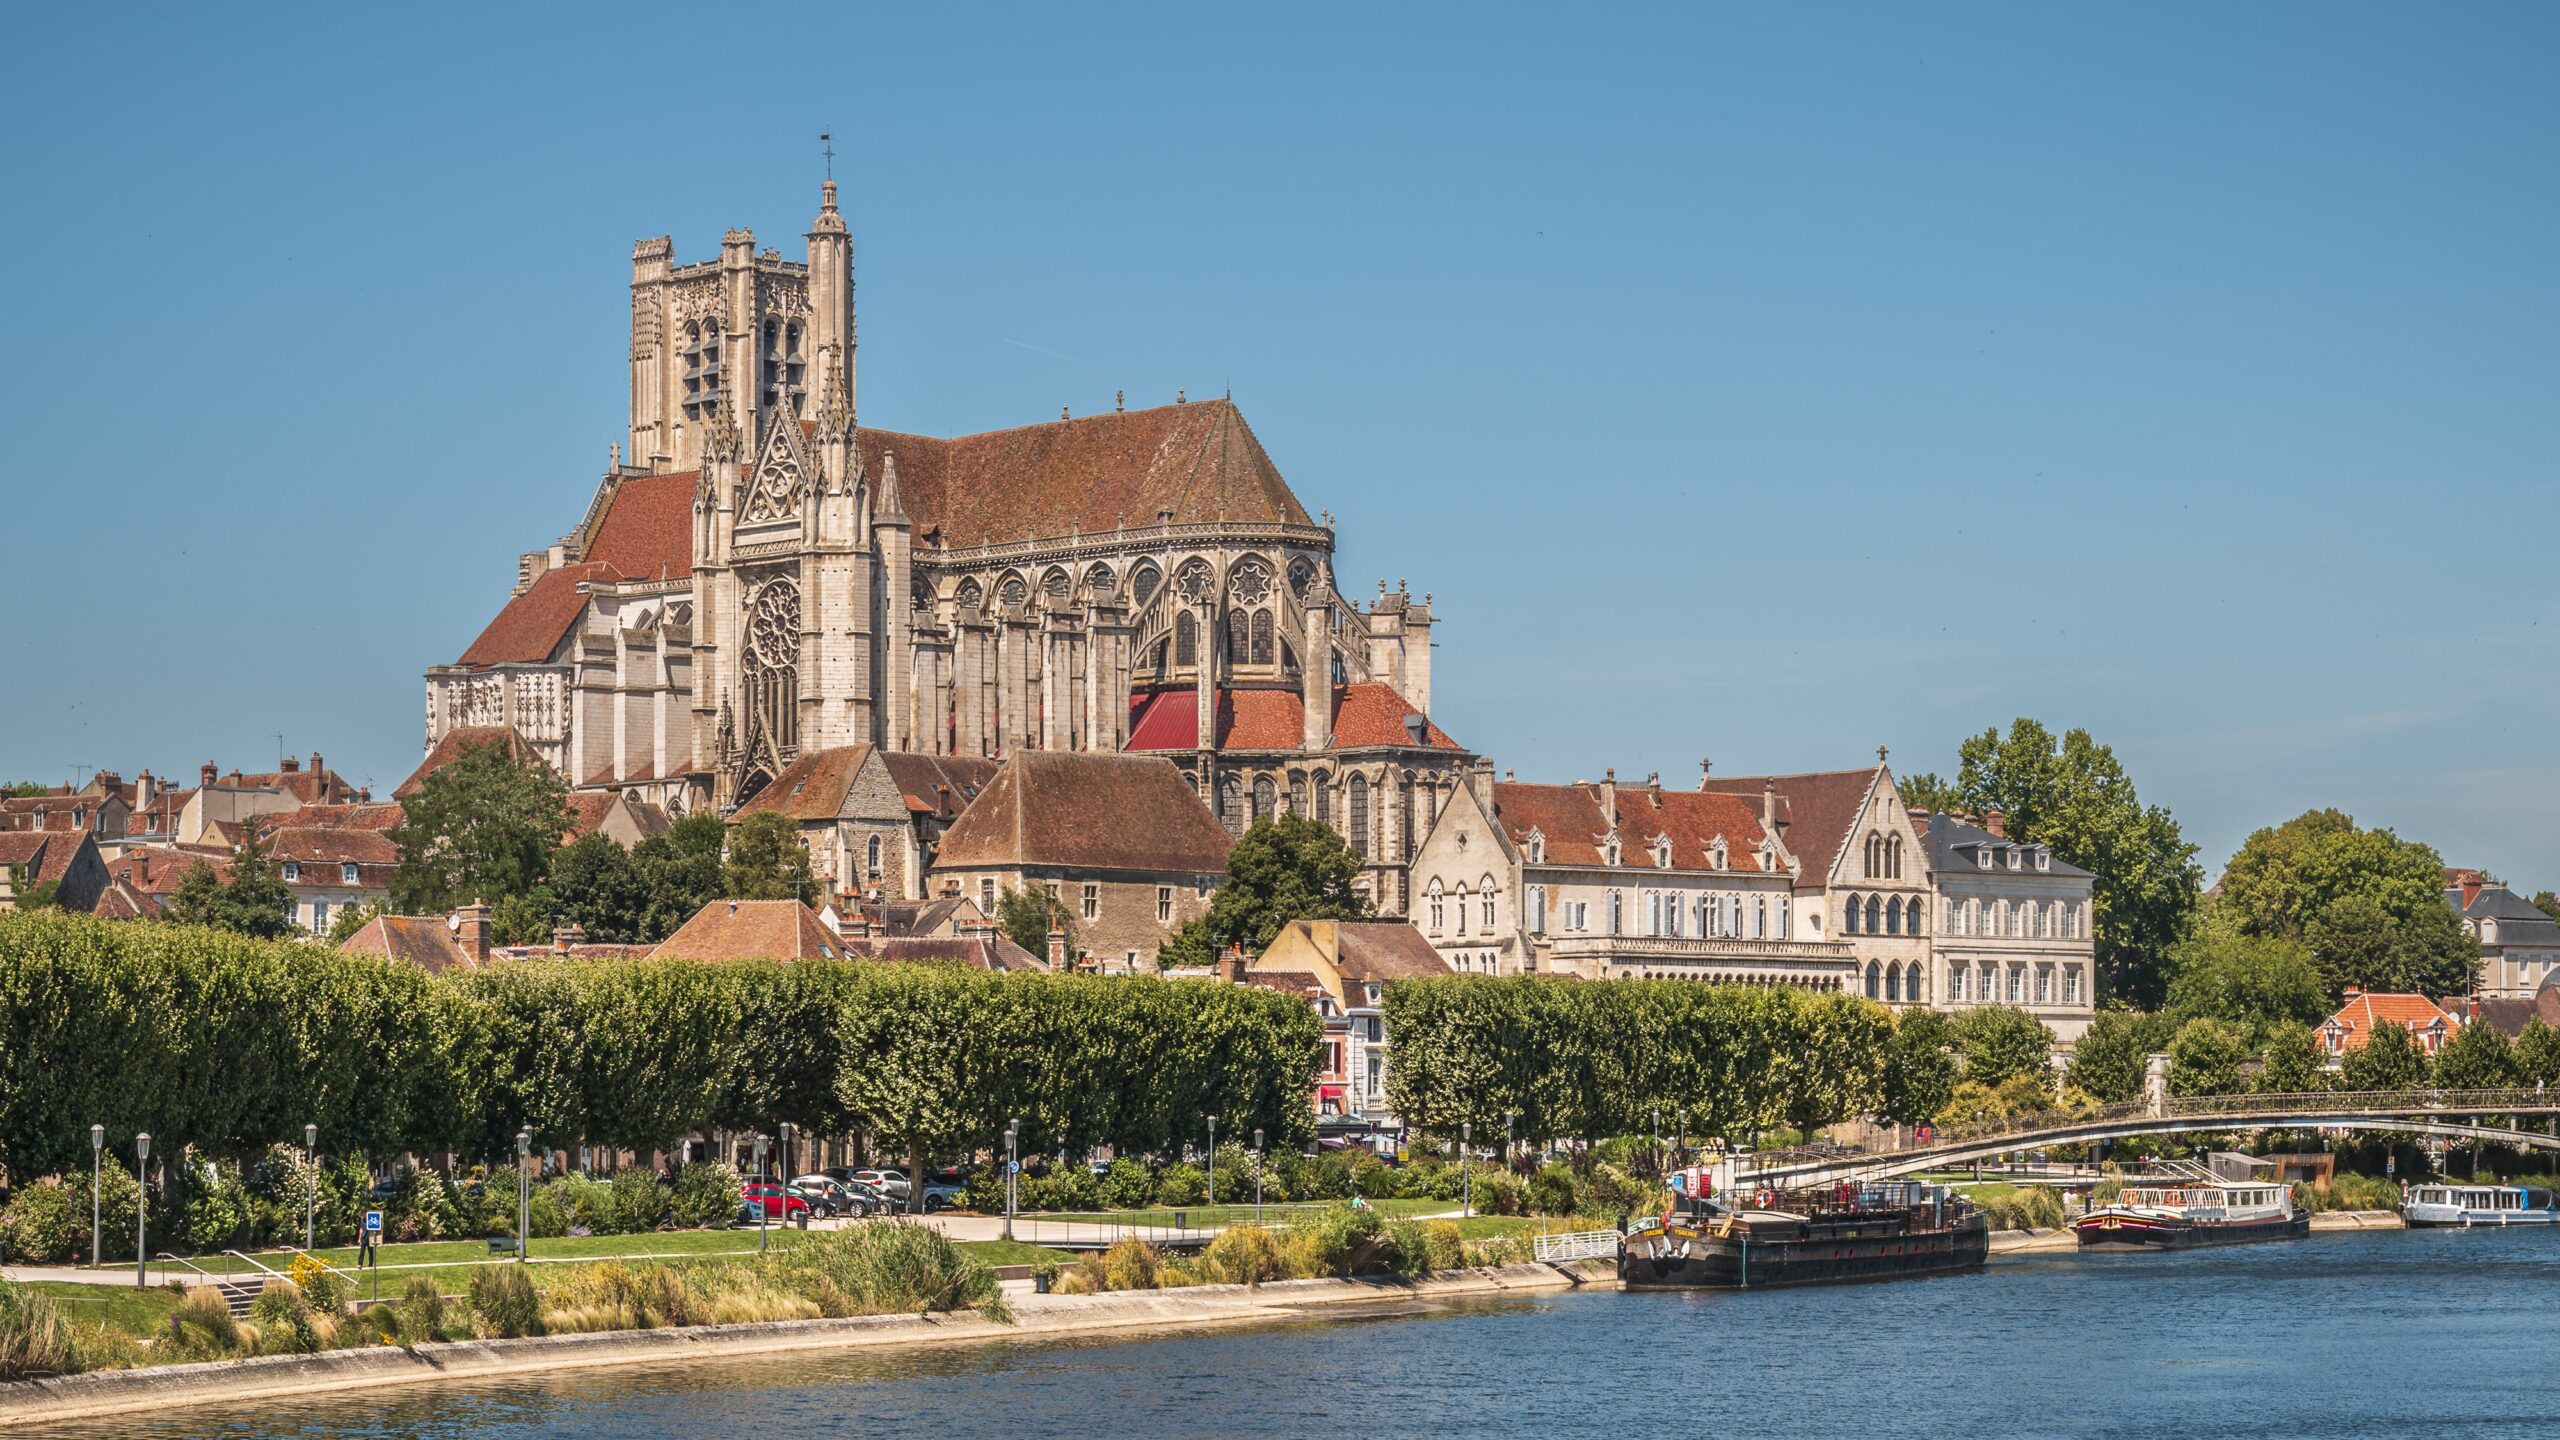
828, 140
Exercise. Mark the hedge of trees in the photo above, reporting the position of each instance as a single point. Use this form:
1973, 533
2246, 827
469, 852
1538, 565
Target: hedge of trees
226, 1044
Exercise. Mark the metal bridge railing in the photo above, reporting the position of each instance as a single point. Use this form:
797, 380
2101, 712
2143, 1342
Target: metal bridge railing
1576, 1245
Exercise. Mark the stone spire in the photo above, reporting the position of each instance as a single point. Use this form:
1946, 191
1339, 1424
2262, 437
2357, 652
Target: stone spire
889, 509
835, 407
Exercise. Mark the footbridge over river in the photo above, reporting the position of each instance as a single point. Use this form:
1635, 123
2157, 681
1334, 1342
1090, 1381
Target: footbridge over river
2449, 1114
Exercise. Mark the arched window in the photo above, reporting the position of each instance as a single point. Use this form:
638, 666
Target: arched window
1893, 916
1617, 912
1142, 586
1759, 917
1875, 981
1893, 984
1433, 908
1893, 857
1850, 926
1186, 639
1875, 913
1782, 917
1263, 643
1322, 801
1298, 794
1462, 909
1265, 797
1231, 805
871, 856
1360, 816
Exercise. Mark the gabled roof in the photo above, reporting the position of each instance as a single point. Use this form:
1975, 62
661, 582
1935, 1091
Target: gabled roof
1820, 810
752, 930
534, 623
2520, 921
1574, 822
938, 785
1197, 462
1383, 950
1073, 811
453, 742
2364, 1011
353, 817
812, 787
1366, 714
994, 953
922, 919
333, 845
155, 871
647, 531
426, 941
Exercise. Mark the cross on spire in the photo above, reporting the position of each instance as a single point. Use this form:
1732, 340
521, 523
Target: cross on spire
827, 140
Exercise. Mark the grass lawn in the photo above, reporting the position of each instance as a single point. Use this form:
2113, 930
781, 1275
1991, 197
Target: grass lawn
139, 1311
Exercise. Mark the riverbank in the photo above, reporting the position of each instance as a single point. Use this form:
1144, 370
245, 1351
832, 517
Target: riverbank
1037, 1317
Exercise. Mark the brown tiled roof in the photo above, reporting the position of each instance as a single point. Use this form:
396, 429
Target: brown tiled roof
1289, 982
534, 623
1365, 714
1820, 811
353, 817
1118, 471
986, 952
47, 854
812, 787
156, 872
752, 930
647, 530
333, 845
2509, 1015
917, 919
453, 742
938, 785
426, 941
2364, 1011
1574, 823
309, 784
1072, 811
1383, 950
120, 901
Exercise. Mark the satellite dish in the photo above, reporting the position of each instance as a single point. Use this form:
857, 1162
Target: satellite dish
453, 923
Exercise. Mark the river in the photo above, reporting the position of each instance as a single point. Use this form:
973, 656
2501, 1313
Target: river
2362, 1333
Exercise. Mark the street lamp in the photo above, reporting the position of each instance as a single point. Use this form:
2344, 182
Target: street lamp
524, 1194
783, 1156
1509, 1161
97, 1155
311, 1196
1657, 1139
1466, 1177
1213, 1159
1012, 1168
1257, 1175
141, 1251
764, 1210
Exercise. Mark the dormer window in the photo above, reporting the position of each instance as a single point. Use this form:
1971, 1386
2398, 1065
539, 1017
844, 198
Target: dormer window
1717, 855
1537, 848
2044, 858
2016, 860
1661, 852
347, 873
1982, 856
1612, 850
292, 870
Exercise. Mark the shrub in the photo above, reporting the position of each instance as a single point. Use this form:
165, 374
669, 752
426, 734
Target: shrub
502, 1296
704, 1194
1233, 1166
423, 1203
34, 1341
1127, 1185
1243, 1255
204, 1319
1555, 1191
1407, 1250
1131, 1265
43, 1225
319, 1285
283, 1316
1183, 1184
639, 1201
1444, 1246
421, 1310
377, 1324
896, 1268
216, 1213
550, 1212
984, 1190
1332, 1241
586, 1203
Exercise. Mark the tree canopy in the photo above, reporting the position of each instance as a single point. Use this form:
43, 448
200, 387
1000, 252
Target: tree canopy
1289, 867
2368, 904
1026, 915
2000, 1043
2073, 795
482, 828
252, 902
2389, 1059
2254, 982
767, 861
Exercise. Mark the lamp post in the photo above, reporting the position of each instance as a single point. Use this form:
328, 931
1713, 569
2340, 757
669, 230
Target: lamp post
1257, 1175
1657, 1139
97, 1157
1012, 1168
1213, 1160
524, 1194
1466, 1177
1509, 1160
764, 1211
783, 1163
310, 1197
141, 1251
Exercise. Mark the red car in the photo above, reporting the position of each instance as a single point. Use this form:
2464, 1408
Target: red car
774, 1200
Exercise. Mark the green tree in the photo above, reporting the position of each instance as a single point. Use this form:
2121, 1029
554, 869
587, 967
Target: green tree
598, 886
253, 901
2548, 903
2112, 1058
2295, 1062
24, 789
350, 919
1026, 915
679, 873
1927, 791
2073, 795
2368, 903
2254, 982
2477, 1057
2001, 1042
482, 828
2358, 942
767, 861
2537, 1053
2205, 1057
1921, 1063
1287, 868
2388, 1060
34, 894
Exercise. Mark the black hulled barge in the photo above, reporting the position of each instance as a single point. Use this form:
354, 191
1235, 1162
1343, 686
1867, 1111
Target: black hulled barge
1827, 1235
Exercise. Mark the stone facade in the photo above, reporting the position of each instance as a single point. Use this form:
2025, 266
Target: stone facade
2012, 925
2519, 944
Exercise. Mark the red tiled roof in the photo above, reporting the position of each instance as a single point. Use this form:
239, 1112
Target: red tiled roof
453, 742
1064, 810
1364, 714
938, 785
2363, 1012
647, 530
1574, 824
354, 817
423, 940
812, 787
752, 930
156, 872
1384, 950
1820, 811
534, 623
1098, 473
333, 845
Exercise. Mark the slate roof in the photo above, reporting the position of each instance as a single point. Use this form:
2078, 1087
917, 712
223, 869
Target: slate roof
1366, 714
919, 919
1957, 845
993, 953
2520, 921
752, 930
1074, 811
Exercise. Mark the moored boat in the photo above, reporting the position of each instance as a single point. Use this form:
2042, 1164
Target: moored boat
2190, 1208
2475, 1205
1827, 1235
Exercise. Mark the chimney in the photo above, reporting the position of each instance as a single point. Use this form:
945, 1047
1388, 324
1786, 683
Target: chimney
1057, 946
204, 777
565, 937
1234, 966
471, 931
2469, 881
1609, 796
290, 766
145, 790
316, 767
1995, 822
1653, 786
1769, 807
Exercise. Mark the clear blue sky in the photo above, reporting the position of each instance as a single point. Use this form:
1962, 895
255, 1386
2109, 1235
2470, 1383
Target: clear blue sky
1765, 383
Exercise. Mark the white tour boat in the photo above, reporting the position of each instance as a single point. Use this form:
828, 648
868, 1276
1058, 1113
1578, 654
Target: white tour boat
2479, 1205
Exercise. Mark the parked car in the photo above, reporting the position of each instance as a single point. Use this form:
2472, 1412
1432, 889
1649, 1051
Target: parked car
892, 1183
942, 1195
831, 1196
776, 1201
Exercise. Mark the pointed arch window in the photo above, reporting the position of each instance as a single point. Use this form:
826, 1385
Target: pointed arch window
1298, 794
1239, 636
1265, 798
1186, 639
1484, 901
1360, 816
1875, 981
1433, 906
1321, 797
1265, 645
1231, 804
1893, 984
1462, 908
871, 856
1893, 916
1851, 915
1875, 913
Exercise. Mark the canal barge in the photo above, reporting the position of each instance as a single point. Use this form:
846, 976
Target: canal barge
2189, 1209
2472, 1205
1827, 1235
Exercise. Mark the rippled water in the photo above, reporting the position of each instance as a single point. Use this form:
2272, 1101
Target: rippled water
2363, 1333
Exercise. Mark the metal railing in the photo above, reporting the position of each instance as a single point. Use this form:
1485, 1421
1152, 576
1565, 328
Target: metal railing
1575, 1245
